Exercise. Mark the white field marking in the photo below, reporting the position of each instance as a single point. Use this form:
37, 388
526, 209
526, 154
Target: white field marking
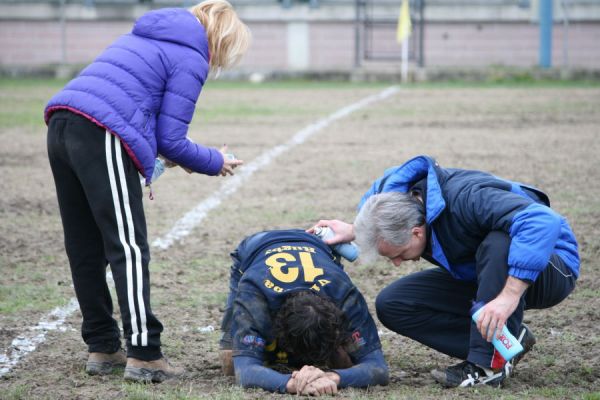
28, 341
206, 329
189, 221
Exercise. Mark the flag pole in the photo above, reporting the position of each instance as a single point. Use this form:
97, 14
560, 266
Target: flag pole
403, 32
404, 70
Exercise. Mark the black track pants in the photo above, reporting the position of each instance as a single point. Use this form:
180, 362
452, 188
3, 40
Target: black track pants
100, 201
432, 307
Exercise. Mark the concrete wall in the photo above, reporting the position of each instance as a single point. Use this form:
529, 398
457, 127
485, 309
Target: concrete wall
323, 39
511, 44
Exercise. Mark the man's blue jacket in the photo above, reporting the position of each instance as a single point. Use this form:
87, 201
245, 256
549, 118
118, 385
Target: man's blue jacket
462, 207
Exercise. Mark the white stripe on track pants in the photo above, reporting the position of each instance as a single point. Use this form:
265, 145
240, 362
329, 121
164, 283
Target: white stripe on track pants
100, 201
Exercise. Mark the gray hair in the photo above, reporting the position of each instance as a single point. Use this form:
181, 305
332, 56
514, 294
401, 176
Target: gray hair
387, 216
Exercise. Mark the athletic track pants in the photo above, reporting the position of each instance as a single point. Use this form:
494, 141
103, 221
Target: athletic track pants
100, 201
432, 307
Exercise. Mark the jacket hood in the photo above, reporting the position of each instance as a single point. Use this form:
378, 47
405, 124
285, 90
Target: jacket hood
175, 25
400, 178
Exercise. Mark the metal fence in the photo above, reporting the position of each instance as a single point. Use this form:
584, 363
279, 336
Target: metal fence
367, 27
370, 26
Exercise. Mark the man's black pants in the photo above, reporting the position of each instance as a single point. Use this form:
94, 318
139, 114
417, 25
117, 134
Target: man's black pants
100, 201
432, 307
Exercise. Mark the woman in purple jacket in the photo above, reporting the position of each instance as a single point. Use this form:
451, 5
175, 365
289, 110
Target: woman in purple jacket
106, 127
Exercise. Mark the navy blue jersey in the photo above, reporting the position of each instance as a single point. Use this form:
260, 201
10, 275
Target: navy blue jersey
276, 263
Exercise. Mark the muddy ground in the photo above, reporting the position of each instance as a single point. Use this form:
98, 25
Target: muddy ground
547, 136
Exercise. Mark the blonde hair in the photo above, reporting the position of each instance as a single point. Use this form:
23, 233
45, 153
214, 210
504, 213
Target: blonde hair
228, 36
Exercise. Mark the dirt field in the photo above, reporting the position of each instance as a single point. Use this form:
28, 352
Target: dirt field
547, 136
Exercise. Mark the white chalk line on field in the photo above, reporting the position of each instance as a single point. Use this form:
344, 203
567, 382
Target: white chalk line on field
189, 221
28, 341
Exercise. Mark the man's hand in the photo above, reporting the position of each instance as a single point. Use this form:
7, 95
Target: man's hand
344, 232
305, 376
495, 313
311, 381
320, 387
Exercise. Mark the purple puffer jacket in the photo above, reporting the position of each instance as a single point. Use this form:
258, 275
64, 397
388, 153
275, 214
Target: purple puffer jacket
143, 88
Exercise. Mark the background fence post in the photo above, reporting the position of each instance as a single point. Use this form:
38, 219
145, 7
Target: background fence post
546, 33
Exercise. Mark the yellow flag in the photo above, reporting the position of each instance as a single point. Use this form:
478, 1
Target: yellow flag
404, 26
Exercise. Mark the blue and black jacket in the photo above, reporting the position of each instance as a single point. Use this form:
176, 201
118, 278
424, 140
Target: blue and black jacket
267, 267
462, 207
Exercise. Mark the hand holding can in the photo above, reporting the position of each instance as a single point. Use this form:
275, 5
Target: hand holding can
230, 162
347, 250
506, 344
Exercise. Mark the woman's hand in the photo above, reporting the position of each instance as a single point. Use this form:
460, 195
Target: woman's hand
229, 162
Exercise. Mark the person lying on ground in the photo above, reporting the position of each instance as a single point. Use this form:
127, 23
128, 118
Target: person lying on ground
292, 307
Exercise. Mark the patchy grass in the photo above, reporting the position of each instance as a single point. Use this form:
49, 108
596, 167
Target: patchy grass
29, 297
19, 392
521, 134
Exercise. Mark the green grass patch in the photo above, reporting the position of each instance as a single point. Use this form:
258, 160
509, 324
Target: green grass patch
293, 84
208, 112
135, 391
493, 82
21, 112
553, 392
585, 293
591, 396
19, 392
31, 83
33, 286
29, 297
512, 83
22, 101
305, 84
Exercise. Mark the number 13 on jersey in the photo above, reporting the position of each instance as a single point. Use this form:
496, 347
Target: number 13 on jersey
284, 269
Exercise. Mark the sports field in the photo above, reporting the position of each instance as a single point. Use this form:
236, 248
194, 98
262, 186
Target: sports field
312, 157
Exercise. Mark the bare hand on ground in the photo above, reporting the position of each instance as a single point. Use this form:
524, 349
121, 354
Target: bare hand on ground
319, 387
305, 376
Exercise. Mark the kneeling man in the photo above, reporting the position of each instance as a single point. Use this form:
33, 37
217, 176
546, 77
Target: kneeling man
291, 305
493, 241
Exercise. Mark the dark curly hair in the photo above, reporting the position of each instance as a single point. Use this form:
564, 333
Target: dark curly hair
310, 327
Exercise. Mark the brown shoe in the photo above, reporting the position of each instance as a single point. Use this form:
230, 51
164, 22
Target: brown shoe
103, 363
151, 371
